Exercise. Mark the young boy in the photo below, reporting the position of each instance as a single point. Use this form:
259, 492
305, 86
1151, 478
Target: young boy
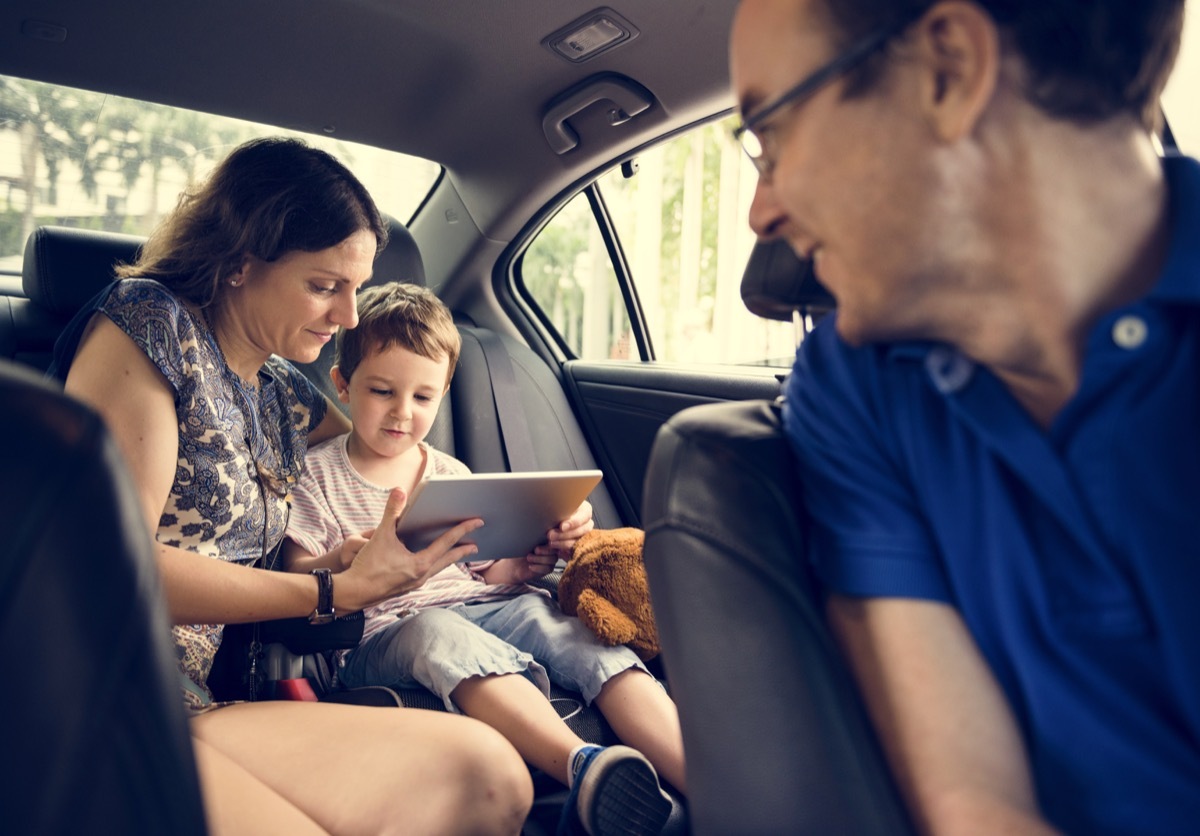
475, 633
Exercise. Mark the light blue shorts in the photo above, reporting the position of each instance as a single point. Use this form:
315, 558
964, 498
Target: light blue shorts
439, 648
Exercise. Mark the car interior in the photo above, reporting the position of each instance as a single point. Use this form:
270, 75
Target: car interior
554, 138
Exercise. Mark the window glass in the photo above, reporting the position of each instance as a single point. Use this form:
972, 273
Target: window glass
680, 219
569, 272
1179, 99
76, 158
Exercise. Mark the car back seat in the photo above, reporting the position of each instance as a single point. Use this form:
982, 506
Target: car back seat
63, 269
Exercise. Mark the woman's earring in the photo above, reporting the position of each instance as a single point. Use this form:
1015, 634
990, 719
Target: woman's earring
234, 283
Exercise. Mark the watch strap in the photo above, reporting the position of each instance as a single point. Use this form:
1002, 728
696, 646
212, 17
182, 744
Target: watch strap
324, 612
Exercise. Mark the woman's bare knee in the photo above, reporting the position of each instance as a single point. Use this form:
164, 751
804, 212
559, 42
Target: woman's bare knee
492, 791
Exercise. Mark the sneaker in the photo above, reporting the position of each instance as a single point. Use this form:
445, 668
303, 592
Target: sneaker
615, 791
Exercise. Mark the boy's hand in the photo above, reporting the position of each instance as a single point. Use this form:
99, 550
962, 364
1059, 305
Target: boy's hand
519, 569
530, 567
560, 540
351, 546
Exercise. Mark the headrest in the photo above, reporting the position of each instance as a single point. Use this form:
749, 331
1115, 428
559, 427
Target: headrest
65, 267
400, 260
777, 282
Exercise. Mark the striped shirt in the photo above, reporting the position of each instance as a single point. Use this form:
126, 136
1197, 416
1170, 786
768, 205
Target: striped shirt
332, 501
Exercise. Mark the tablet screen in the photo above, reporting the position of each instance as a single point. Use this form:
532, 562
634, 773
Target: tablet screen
517, 508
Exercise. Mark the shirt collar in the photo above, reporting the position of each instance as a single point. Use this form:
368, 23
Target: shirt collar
1180, 279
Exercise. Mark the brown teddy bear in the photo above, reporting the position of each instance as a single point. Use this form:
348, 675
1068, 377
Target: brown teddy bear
605, 585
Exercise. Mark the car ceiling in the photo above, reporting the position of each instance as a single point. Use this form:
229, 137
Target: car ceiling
462, 82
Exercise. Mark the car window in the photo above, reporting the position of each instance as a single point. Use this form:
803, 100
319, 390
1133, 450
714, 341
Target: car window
76, 158
672, 224
1179, 99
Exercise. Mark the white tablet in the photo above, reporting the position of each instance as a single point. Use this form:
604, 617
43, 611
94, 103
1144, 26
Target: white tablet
517, 508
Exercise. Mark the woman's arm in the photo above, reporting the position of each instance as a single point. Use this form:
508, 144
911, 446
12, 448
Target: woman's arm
945, 725
114, 376
333, 424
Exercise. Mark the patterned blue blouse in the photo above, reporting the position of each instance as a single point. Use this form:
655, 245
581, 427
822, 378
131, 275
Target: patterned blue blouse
241, 447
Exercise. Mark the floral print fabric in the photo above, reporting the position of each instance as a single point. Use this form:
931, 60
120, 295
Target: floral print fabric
241, 447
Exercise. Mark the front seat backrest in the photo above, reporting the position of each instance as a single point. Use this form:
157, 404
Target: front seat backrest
96, 738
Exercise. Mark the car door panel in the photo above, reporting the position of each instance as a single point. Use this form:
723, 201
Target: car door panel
622, 405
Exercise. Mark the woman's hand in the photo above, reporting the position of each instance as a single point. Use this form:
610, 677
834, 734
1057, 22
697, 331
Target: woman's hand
561, 539
384, 567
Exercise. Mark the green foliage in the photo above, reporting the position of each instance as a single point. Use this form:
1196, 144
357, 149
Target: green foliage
106, 140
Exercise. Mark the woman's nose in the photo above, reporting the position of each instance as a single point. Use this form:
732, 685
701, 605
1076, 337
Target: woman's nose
346, 311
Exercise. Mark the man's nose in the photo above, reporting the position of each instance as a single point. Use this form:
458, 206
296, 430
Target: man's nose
766, 215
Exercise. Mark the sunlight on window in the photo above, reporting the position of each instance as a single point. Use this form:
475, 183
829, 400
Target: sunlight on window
1179, 99
75, 158
681, 224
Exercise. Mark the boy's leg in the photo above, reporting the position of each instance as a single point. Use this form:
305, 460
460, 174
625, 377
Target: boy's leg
614, 790
644, 716
514, 706
474, 672
438, 649
635, 705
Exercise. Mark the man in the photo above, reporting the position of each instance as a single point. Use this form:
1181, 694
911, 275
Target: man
999, 432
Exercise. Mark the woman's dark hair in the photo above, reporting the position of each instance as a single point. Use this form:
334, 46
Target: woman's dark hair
267, 198
1087, 60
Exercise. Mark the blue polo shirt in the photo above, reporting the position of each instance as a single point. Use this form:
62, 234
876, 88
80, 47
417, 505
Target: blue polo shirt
1073, 553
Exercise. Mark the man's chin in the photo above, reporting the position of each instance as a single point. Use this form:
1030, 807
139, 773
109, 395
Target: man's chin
859, 331
851, 329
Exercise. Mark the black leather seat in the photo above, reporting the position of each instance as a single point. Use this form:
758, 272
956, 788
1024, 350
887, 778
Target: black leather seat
63, 268
95, 737
776, 737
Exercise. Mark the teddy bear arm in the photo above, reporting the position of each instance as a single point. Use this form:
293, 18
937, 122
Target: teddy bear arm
603, 618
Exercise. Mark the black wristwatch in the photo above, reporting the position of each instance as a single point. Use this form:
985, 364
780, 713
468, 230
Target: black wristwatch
324, 612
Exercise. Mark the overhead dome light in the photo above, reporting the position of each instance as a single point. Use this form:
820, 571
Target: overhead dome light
589, 36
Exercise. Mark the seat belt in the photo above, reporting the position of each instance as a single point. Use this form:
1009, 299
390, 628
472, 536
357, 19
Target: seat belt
514, 432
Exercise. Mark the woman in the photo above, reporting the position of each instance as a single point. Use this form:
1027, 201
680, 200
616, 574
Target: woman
182, 358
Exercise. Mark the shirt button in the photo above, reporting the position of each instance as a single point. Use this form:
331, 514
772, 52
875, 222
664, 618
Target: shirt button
1129, 332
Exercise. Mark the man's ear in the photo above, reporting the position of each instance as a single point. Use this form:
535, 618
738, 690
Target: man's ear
958, 46
340, 384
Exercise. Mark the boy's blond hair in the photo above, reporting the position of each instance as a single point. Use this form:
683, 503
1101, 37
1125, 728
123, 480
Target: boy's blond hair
406, 315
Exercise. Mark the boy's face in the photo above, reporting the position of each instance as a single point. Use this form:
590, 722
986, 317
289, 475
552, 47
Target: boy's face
393, 399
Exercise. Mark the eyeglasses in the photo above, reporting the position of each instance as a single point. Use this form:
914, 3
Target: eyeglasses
749, 133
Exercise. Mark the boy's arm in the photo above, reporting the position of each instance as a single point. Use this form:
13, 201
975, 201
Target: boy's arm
298, 559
